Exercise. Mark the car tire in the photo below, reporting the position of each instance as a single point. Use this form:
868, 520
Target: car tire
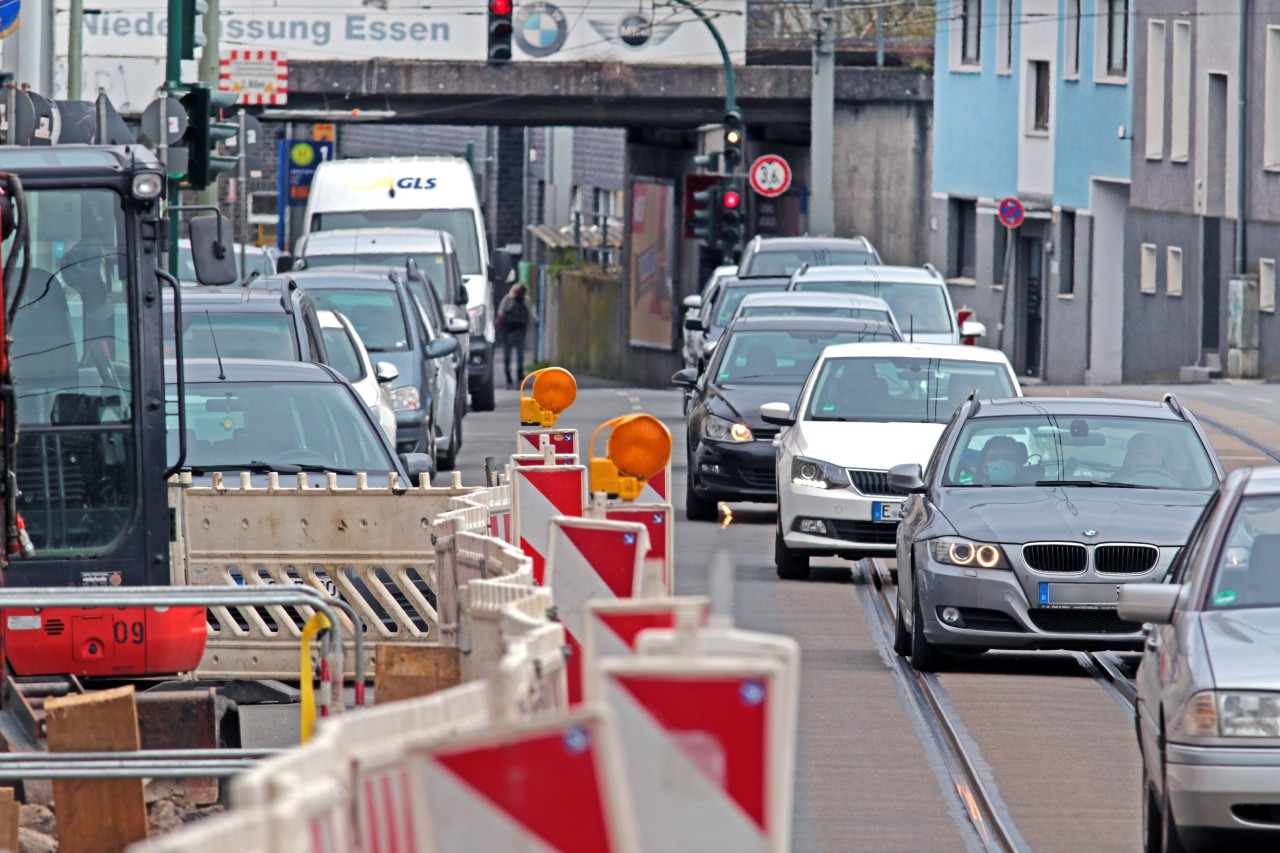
925, 656
447, 460
901, 635
696, 507
791, 566
1152, 817
483, 399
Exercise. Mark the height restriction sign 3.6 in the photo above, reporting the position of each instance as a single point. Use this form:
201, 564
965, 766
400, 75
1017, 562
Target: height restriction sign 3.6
770, 175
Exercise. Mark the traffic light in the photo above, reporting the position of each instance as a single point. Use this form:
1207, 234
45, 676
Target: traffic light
730, 220
500, 31
204, 132
191, 28
735, 139
708, 162
706, 216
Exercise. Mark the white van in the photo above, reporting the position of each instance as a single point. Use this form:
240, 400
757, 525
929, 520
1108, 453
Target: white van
417, 192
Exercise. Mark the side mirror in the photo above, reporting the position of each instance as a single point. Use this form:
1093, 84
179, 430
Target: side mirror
284, 262
693, 324
385, 372
504, 263
907, 478
694, 301
442, 346
211, 250
686, 378
1148, 602
457, 326
417, 464
778, 414
972, 329
463, 296
298, 265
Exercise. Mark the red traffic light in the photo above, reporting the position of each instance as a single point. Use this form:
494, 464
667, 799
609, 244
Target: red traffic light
500, 7
731, 200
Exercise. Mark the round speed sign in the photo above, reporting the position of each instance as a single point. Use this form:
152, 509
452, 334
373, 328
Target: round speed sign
770, 175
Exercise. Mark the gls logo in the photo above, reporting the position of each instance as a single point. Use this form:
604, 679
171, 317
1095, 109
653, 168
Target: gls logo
416, 183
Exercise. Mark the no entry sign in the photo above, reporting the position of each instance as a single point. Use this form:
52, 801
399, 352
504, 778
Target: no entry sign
1011, 212
770, 175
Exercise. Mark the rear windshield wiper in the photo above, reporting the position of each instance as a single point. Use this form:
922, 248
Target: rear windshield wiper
259, 467
1097, 484
837, 418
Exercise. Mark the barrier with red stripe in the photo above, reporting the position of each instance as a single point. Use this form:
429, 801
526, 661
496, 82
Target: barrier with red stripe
540, 493
524, 460
562, 441
612, 628
551, 785
657, 489
659, 520
591, 560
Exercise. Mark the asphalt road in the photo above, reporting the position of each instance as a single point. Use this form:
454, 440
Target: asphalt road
1054, 746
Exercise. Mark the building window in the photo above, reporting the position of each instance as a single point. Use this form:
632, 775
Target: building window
1115, 32
1038, 78
1066, 252
1267, 285
1173, 271
1147, 269
971, 32
1071, 50
1271, 103
1155, 90
964, 216
1004, 35
1180, 109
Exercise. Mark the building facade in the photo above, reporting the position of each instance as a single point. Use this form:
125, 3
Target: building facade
1032, 100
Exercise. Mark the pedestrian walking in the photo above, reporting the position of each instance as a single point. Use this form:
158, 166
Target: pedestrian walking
515, 316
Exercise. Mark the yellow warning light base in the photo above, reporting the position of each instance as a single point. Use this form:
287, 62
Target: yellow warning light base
554, 390
639, 447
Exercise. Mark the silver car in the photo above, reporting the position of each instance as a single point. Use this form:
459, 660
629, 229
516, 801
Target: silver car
1208, 713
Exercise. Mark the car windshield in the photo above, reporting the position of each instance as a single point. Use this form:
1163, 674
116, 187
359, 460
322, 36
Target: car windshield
343, 356
919, 307
785, 262
254, 259
1248, 571
431, 263
731, 298
459, 223
884, 389
245, 425
376, 314
208, 334
815, 311
780, 357
1084, 450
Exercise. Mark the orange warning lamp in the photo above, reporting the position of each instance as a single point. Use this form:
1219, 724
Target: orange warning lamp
554, 390
639, 447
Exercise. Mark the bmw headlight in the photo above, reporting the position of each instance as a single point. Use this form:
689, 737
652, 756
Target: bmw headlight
817, 475
404, 398
1232, 713
956, 551
720, 429
475, 316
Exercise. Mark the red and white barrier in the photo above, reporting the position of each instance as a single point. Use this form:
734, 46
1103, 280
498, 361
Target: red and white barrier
659, 520
657, 489
613, 628
551, 785
538, 494
562, 441
524, 460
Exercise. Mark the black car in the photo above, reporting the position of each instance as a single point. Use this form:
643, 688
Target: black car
717, 313
761, 360
379, 304
1030, 515
767, 256
274, 319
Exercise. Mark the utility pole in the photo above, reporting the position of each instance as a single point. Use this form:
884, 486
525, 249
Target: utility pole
209, 70
822, 108
172, 87
75, 49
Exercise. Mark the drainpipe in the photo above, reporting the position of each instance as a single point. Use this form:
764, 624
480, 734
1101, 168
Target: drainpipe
1242, 82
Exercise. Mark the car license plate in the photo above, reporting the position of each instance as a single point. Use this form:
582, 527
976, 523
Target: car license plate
1095, 596
885, 511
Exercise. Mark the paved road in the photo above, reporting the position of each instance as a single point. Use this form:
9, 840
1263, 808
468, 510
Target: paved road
1054, 745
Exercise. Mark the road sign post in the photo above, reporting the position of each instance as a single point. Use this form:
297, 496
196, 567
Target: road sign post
1011, 212
1011, 215
770, 176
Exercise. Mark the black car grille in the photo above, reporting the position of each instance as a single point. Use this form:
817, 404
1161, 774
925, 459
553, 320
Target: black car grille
1125, 559
1082, 622
871, 482
1057, 557
760, 478
979, 619
870, 532
765, 433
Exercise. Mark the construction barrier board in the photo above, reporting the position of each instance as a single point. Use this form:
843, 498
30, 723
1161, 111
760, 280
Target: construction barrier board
613, 628
657, 489
538, 494
659, 519
526, 459
564, 441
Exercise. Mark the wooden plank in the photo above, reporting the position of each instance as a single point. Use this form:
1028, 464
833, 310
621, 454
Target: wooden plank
10, 820
96, 814
406, 671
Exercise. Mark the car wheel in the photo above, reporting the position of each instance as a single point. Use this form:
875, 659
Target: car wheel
697, 508
901, 636
1169, 841
925, 656
1151, 816
482, 399
447, 459
791, 565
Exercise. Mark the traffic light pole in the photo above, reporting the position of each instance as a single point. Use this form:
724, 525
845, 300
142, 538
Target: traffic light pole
172, 84
730, 85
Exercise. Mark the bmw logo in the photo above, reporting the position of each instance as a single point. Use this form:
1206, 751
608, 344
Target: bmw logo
540, 29
1091, 533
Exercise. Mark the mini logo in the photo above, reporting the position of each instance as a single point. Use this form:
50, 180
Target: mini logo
634, 31
1091, 533
540, 29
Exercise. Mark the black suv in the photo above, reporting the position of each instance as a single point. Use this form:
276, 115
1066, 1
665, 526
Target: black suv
274, 319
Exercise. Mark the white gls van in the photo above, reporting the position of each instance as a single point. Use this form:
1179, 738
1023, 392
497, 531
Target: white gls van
417, 192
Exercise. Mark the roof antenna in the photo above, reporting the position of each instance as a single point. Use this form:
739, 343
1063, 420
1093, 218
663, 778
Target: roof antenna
222, 374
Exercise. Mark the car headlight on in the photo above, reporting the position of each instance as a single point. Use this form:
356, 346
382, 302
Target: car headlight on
404, 398
1232, 713
817, 475
957, 551
475, 316
720, 429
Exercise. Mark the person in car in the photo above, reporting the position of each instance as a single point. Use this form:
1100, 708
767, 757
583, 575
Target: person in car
1003, 458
